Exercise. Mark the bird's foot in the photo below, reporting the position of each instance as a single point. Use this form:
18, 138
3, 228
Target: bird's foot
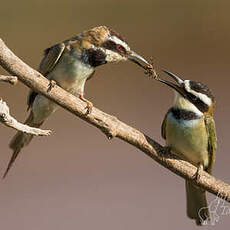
199, 170
89, 105
167, 149
52, 83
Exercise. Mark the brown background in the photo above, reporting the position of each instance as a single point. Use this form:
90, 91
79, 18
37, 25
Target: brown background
76, 178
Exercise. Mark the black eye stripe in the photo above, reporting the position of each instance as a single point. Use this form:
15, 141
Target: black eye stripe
110, 45
197, 102
121, 49
201, 88
94, 57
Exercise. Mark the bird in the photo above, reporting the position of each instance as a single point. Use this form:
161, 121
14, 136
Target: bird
189, 130
70, 64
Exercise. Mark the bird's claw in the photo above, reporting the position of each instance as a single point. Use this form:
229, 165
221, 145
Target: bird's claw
89, 107
196, 176
167, 149
52, 83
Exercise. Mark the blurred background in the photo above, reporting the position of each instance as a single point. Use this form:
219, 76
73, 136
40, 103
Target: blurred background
76, 178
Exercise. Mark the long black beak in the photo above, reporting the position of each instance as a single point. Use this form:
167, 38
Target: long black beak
136, 58
178, 87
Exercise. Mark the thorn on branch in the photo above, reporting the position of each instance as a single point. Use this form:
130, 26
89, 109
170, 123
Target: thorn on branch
112, 129
110, 136
9, 121
9, 79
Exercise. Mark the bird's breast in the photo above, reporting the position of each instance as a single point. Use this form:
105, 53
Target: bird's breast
188, 139
70, 72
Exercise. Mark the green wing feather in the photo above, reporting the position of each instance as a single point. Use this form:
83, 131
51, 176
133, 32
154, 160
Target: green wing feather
163, 126
212, 140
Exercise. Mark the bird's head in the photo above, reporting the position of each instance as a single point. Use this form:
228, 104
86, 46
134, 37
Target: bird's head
191, 94
102, 45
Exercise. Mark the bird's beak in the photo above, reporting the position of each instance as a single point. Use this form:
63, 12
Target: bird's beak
136, 58
178, 87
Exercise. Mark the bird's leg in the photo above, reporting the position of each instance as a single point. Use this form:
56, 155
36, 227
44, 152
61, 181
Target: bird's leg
89, 104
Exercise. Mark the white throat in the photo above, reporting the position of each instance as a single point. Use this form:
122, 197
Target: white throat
112, 56
182, 103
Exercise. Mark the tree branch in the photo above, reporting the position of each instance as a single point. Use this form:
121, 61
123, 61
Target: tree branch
109, 125
10, 79
9, 121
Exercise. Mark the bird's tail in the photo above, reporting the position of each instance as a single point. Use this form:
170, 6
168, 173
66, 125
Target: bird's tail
19, 141
196, 203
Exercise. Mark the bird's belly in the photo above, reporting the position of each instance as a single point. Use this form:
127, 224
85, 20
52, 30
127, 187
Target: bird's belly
42, 108
188, 140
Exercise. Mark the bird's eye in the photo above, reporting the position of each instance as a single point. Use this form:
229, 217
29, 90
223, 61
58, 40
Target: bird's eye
120, 48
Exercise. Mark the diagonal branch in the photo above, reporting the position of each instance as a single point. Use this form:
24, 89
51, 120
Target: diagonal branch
108, 124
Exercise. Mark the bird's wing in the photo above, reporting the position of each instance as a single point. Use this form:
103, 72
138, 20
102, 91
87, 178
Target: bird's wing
212, 141
163, 126
50, 59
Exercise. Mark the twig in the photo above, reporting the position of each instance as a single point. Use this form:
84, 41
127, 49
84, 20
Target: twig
108, 124
9, 121
10, 79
